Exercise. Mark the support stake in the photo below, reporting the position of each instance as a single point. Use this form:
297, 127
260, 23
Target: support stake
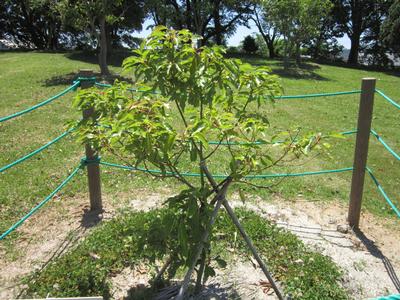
361, 149
93, 169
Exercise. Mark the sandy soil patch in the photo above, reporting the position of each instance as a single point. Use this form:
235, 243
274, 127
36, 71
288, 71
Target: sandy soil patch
369, 257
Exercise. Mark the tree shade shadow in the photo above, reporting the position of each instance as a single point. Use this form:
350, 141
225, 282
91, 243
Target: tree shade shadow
375, 251
89, 219
299, 73
305, 70
115, 58
341, 64
69, 78
210, 291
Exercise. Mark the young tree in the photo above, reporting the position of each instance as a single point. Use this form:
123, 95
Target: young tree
249, 44
298, 21
189, 96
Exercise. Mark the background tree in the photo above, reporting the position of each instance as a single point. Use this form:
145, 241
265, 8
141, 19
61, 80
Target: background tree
31, 23
213, 20
375, 51
298, 21
354, 18
267, 31
325, 44
103, 20
249, 45
390, 31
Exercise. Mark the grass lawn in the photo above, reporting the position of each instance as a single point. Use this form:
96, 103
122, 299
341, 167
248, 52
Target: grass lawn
30, 77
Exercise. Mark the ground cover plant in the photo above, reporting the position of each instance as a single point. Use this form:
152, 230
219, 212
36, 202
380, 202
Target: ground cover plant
132, 238
189, 96
28, 77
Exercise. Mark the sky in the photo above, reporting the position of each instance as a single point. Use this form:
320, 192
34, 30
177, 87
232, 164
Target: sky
235, 40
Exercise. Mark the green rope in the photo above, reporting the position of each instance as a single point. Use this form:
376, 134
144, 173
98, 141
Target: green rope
20, 160
262, 176
391, 101
17, 114
104, 85
391, 151
265, 143
37, 207
318, 95
391, 297
85, 161
382, 191
91, 79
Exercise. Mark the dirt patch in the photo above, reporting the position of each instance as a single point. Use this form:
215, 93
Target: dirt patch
369, 258
56, 228
46, 236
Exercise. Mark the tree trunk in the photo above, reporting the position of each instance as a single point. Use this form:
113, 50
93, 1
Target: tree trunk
109, 35
298, 54
271, 49
200, 273
356, 31
103, 47
286, 54
217, 23
354, 50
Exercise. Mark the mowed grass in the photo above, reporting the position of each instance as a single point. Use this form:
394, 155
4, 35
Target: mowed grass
30, 77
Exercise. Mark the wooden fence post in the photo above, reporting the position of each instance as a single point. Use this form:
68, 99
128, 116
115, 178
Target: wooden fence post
361, 149
93, 169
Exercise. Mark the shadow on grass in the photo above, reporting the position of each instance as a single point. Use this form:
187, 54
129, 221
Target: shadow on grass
89, 219
341, 64
68, 79
305, 70
299, 73
115, 58
375, 251
210, 291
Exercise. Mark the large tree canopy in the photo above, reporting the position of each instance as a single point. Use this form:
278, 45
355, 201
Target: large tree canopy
31, 23
293, 20
213, 20
102, 19
267, 30
355, 17
390, 30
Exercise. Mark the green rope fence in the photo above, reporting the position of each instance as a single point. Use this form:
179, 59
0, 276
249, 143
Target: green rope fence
382, 191
391, 101
318, 95
391, 151
37, 151
43, 202
222, 176
32, 108
85, 162
222, 143
104, 85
